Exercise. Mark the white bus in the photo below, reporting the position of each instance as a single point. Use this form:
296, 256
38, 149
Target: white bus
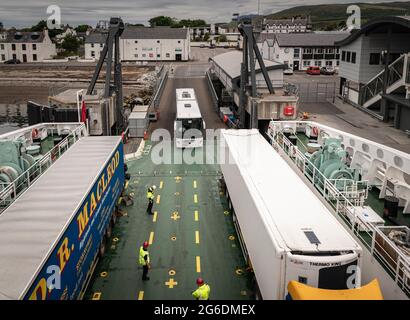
189, 125
285, 231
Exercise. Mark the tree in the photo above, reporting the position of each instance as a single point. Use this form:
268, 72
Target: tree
222, 38
206, 36
42, 25
162, 21
70, 44
191, 23
82, 28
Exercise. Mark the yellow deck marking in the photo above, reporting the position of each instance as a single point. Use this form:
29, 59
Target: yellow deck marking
196, 215
158, 198
141, 295
197, 237
171, 283
154, 218
231, 238
195, 198
104, 274
198, 264
161, 184
151, 238
175, 216
126, 185
194, 184
96, 296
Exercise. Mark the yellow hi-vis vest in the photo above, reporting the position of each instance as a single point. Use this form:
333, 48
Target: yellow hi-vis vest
143, 253
150, 195
202, 293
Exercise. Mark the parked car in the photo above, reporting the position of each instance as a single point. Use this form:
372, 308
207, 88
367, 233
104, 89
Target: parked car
288, 71
12, 61
327, 71
202, 46
313, 70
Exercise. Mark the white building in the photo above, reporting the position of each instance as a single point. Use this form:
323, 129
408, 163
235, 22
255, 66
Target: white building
287, 25
302, 50
145, 44
26, 46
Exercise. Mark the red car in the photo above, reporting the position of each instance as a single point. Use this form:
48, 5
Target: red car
313, 70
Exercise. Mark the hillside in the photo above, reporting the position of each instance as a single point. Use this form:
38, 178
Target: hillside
333, 16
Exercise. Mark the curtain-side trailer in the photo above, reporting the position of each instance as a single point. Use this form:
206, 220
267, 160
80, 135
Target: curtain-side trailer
286, 232
51, 237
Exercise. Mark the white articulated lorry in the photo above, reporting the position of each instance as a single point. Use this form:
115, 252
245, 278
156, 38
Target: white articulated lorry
285, 231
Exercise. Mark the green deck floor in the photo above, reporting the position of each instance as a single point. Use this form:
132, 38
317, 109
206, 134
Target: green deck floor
181, 191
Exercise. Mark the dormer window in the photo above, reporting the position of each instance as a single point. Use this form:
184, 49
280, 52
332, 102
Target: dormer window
35, 36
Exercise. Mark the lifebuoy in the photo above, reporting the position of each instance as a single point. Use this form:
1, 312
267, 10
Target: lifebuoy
34, 133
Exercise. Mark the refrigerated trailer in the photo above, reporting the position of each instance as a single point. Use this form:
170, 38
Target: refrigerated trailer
285, 231
52, 236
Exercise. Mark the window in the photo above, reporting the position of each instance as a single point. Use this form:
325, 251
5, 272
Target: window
34, 57
306, 63
329, 63
337, 63
318, 63
296, 53
92, 45
23, 46
167, 55
348, 56
307, 50
158, 41
144, 55
93, 54
179, 41
158, 55
13, 47
343, 55
302, 280
136, 55
1, 46
136, 41
374, 59
101, 45
3, 57
353, 57
34, 46
319, 51
329, 51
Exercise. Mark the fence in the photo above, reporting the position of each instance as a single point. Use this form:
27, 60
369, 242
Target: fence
9, 192
160, 86
214, 96
316, 92
343, 201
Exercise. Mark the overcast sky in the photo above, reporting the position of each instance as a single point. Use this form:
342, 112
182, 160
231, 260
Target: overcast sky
21, 13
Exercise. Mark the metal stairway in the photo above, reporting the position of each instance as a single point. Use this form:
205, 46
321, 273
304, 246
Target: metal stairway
397, 77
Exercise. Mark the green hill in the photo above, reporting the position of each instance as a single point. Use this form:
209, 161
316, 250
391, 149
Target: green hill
333, 16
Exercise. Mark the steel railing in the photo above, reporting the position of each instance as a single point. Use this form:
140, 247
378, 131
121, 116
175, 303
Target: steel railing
9, 192
396, 72
396, 264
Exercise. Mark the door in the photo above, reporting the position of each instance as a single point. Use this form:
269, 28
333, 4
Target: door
296, 65
24, 58
178, 57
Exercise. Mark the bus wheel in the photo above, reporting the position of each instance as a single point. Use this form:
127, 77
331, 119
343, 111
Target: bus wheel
101, 251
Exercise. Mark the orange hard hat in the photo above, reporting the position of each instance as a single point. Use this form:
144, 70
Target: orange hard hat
199, 281
145, 244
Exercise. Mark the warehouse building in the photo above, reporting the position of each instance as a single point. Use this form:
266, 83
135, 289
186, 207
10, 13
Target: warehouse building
145, 44
26, 46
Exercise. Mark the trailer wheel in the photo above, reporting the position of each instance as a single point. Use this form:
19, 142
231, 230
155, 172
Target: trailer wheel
109, 232
101, 250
